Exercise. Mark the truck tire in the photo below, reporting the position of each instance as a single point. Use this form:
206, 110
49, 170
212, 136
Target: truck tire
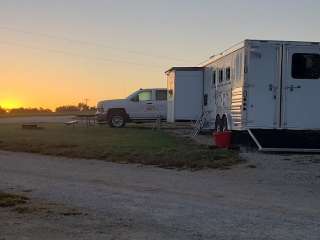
117, 120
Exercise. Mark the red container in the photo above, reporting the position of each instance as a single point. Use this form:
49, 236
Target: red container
222, 139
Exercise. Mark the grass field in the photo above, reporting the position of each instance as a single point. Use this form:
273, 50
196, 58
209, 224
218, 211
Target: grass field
127, 145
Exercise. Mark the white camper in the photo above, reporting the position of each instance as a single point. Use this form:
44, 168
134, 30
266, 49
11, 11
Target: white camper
185, 93
264, 85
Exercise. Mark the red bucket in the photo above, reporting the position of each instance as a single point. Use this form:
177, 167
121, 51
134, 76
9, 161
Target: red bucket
222, 139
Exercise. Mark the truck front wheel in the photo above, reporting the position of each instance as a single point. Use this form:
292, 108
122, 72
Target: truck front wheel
117, 120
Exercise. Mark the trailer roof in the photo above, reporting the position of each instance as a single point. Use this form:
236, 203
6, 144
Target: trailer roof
222, 54
243, 43
184, 69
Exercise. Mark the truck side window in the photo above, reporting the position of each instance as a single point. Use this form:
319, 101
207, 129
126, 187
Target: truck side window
220, 75
145, 96
228, 74
305, 66
135, 98
161, 95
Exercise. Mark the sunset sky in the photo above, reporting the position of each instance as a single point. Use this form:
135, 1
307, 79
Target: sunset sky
62, 51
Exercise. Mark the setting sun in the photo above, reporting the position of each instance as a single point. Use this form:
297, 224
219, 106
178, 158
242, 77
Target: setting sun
9, 104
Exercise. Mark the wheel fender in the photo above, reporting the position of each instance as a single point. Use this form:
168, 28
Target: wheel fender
121, 111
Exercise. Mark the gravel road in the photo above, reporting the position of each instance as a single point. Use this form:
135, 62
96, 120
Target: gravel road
270, 197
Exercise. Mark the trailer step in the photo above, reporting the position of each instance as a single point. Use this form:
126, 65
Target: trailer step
286, 140
200, 123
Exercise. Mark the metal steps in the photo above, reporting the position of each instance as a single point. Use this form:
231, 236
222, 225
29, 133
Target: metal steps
200, 123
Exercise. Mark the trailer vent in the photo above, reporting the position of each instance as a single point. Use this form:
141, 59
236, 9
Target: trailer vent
236, 106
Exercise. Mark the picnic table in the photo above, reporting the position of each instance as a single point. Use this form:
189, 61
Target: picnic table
88, 119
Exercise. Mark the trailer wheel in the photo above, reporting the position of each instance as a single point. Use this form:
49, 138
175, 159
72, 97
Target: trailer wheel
117, 120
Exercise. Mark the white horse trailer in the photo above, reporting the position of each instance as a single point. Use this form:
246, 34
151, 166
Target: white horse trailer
185, 92
264, 85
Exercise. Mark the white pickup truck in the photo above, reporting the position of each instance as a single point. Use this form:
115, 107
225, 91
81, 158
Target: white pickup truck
143, 105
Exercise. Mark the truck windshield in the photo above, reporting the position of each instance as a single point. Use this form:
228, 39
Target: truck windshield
132, 95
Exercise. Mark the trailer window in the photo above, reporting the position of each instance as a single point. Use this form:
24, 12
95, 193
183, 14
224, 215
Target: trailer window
205, 100
228, 74
214, 78
306, 66
161, 95
238, 66
220, 76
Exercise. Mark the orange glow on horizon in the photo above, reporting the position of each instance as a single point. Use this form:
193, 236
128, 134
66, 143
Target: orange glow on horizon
34, 79
9, 104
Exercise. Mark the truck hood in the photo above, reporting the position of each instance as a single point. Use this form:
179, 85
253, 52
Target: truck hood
118, 103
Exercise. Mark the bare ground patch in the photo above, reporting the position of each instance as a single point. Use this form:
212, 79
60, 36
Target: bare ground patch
21, 204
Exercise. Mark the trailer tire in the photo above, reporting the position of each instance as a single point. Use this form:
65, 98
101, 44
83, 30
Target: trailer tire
117, 120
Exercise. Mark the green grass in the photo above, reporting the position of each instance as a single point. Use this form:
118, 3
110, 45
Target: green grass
127, 145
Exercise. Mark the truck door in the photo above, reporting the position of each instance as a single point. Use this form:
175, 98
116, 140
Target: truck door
300, 87
161, 102
142, 106
263, 65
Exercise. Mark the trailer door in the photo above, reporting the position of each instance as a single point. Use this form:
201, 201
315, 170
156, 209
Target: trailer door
300, 87
263, 78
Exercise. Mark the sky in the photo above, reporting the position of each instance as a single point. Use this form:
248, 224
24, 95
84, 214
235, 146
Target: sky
61, 52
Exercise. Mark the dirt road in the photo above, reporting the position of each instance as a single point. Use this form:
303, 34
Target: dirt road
276, 197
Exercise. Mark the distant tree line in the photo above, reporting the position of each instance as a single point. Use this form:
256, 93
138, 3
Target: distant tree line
2, 110
29, 110
24, 111
81, 107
